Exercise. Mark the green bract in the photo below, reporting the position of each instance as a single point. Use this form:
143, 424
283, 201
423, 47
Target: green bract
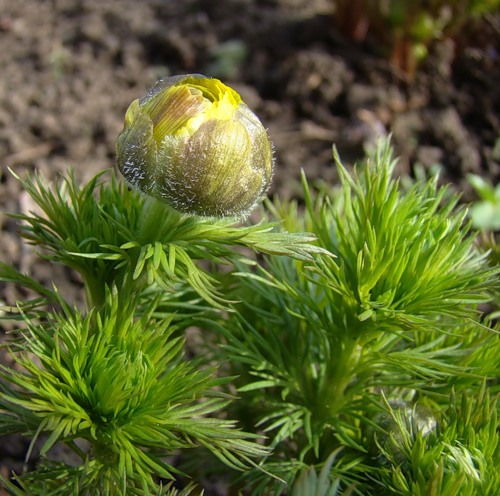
192, 143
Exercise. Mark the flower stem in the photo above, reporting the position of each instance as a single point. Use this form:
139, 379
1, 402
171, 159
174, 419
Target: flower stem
152, 217
332, 395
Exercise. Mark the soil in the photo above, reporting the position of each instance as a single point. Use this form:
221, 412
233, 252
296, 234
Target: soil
70, 68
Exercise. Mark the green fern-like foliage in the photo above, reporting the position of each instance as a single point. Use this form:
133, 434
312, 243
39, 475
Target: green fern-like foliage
115, 236
459, 457
52, 486
356, 342
114, 374
391, 310
122, 385
310, 482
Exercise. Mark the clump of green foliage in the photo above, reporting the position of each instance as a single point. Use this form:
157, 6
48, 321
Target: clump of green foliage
342, 351
405, 29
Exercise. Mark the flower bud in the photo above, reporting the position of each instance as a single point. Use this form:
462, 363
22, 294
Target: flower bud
192, 143
415, 419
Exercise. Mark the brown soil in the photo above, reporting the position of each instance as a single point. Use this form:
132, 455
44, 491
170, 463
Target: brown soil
69, 69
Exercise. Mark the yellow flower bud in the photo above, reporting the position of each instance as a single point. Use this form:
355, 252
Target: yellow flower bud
192, 143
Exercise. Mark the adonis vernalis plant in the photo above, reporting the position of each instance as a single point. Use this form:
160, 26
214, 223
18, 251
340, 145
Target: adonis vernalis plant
345, 346
388, 323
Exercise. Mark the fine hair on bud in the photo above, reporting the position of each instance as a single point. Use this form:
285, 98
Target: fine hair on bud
193, 144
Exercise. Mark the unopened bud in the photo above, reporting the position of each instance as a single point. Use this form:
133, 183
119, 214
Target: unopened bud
192, 143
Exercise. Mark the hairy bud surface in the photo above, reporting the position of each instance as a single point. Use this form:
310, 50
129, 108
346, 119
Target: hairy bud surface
192, 143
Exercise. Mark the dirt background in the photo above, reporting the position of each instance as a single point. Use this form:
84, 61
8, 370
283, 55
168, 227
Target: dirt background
69, 69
